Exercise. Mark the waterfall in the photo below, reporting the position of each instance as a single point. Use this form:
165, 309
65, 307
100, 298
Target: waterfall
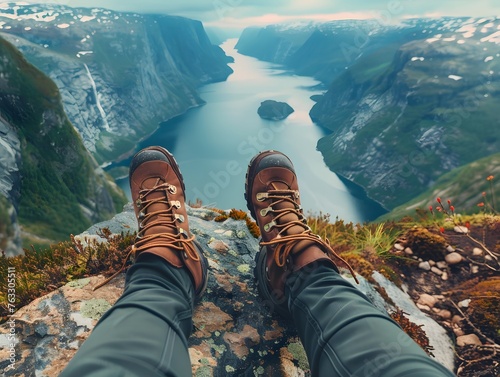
98, 102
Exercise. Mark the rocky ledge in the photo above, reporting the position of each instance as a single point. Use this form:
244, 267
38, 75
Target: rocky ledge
273, 110
234, 333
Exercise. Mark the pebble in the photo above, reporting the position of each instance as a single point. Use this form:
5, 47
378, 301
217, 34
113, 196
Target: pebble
444, 276
464, 303
457, 319
427, 300
446, 314
441, 264
487, 257
432, 263
436, 270
399, 247
453, 258
423, 307
425, 266
450, 249
408, 251
466, 340
458, 331
461, 229
475, 269
477, 251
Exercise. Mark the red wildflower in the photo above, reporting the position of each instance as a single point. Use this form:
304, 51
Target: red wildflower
439, 209
449, 202
452, 209
467, 224
490, 178
480, 204
438, 200
441, 229
483, 193
431, 209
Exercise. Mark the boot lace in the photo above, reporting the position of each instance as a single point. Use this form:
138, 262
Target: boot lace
178, 239
284, 242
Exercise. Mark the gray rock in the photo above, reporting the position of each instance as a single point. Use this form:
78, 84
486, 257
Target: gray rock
469, 339
477, 251
408, 251
461, 229
441, 264
453, 258
425, 266
437, 271
399, 247
428, 300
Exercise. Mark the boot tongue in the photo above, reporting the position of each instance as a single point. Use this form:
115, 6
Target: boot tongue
150, 183
289, 216
299, 246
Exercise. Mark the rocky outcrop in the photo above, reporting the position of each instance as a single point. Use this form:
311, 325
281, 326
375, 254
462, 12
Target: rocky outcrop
234, 332
119, 74
274, 110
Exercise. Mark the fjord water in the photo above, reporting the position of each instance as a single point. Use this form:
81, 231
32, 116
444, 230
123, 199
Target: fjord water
214, 143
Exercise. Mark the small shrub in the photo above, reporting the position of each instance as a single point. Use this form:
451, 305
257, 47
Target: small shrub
425, 244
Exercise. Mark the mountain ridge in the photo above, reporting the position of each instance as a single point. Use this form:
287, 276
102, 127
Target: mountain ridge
104, 61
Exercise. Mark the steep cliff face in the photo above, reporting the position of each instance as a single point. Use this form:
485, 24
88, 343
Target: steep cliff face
119, 74
49, 183
397, 129
274, 43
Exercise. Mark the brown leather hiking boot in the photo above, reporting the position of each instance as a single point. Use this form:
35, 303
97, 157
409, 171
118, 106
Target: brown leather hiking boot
288, 244
158, 195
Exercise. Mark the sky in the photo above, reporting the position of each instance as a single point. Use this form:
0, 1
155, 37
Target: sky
242, 13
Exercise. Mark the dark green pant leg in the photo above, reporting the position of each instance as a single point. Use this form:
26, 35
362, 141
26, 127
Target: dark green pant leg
344, 335
145, 333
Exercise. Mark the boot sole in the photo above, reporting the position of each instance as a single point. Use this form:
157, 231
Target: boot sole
270, 301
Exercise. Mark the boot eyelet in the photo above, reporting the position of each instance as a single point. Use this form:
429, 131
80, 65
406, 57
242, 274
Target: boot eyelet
182, 233
175, 203
269, 226
172, 189
265, 211
179, 218
138, 203
141, 216
261, 196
